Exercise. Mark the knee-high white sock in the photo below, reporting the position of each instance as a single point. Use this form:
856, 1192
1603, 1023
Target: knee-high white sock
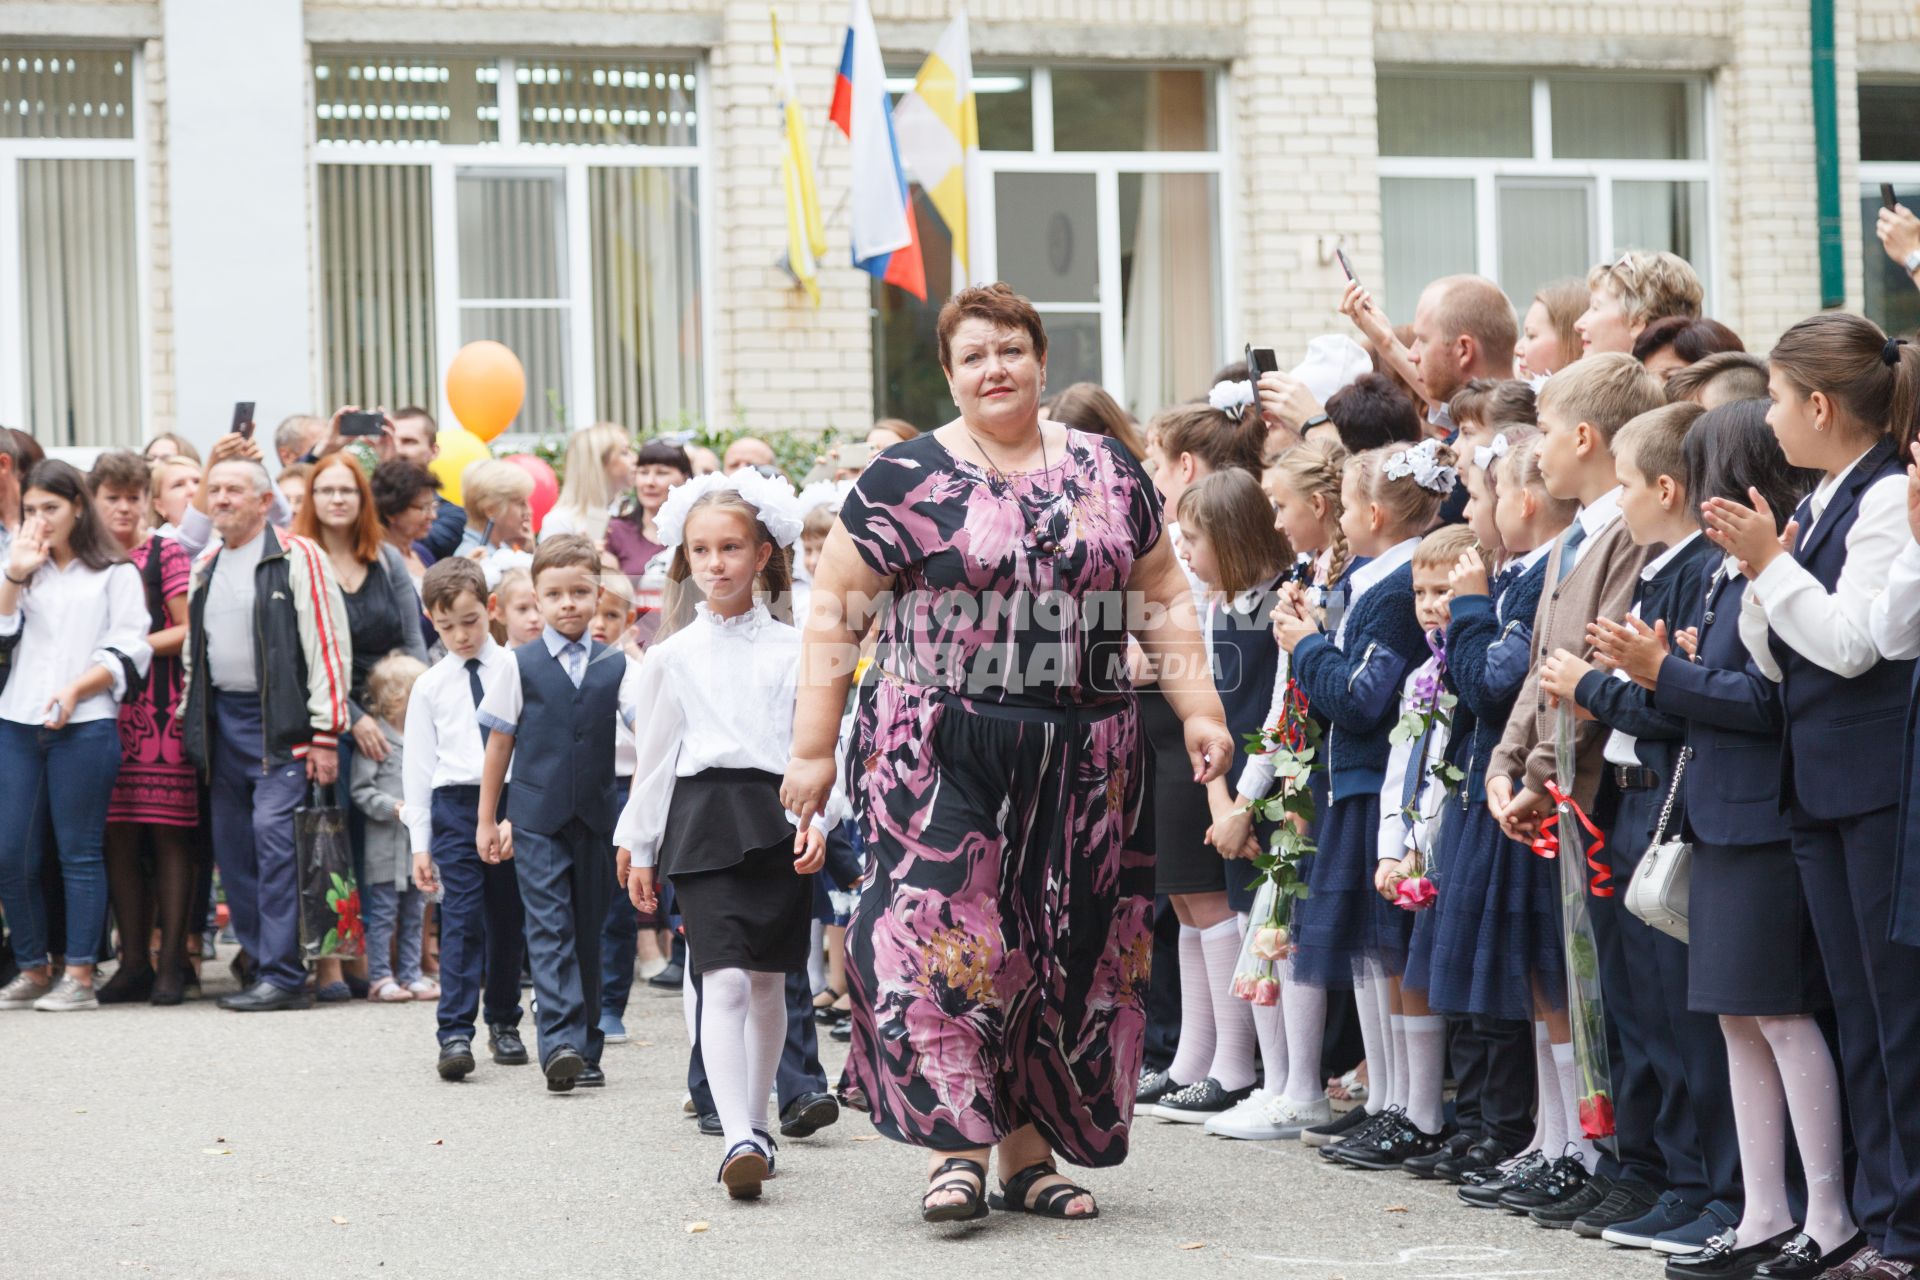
766, 1036
1232, 1063
1426, 1070
689, 1002
1397, 1046
1549, 1120
1306, 1027
1569, 1074
1194, 1054
817, 959
1269, 1027
1813, 1100
1760, 1126
1370, 1002
725, 997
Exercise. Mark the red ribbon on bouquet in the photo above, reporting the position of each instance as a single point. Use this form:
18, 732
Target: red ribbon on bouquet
1547, 843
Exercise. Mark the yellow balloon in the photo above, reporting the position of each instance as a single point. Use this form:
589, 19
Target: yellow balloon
485, 386
459, 449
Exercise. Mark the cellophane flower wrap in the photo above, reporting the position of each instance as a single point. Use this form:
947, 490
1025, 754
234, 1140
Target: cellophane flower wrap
1584, 1007
1429, 712
1294, 744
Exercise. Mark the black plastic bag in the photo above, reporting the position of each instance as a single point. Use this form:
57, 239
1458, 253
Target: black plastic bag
330, 923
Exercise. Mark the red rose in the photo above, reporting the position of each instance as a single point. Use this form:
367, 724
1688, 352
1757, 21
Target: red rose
348, 911
1596, 1116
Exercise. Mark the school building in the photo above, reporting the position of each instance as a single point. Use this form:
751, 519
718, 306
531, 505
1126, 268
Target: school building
308, 204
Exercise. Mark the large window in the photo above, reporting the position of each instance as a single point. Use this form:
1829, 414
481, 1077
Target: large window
70, 245
1889, 152
550, 203
1102, 198
1529, 178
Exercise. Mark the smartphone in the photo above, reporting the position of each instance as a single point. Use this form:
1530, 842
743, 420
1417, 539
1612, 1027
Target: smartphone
362, 424
486, 535
1346, 265
243, 419
1259, 360
1887, 200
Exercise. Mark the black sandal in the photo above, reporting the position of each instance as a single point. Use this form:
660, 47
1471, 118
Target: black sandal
743, 1169
1052, 1203
966, 1210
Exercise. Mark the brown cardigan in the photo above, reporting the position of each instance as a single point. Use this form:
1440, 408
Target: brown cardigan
1600, 586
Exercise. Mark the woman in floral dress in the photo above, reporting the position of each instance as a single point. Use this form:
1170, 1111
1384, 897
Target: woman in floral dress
998, 957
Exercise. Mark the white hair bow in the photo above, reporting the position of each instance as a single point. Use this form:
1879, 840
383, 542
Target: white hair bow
771, 496
1231, 397
1484, 456
1423, 464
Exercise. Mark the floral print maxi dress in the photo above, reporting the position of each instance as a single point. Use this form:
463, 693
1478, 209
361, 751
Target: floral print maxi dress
998, 956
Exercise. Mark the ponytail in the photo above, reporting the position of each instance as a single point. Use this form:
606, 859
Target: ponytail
1221, 440
1873, 380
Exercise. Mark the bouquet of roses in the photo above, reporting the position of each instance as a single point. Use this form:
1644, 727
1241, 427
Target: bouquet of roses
1294, 744
1429, 712
1584, 1008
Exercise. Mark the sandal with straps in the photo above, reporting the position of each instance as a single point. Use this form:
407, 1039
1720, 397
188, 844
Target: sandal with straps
1051, 1203
743, 1169
965, 1210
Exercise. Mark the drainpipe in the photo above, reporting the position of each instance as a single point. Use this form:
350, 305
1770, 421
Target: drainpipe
1826, 155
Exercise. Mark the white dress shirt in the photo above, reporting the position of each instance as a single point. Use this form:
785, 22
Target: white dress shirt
69, 621
1896, 614
505, 699
717, 694
1619, 748
443, 735
227, 616
1833, 629
1595, 517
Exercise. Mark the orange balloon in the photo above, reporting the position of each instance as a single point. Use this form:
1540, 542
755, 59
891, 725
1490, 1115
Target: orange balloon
486, 385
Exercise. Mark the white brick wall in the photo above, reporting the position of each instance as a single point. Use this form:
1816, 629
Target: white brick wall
1303, 138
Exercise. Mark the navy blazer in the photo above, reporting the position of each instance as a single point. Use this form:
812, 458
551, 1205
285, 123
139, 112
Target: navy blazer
1733, 725
1489, 645
1844, 738
1357, 688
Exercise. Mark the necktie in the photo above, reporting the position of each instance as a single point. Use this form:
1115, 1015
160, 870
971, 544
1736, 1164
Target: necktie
473, 684
1569, 544
1506, 578
574, 655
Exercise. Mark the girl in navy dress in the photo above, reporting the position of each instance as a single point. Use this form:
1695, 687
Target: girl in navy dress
1845, 401
1388, 498
1496, 949
1752, 959
1230, 545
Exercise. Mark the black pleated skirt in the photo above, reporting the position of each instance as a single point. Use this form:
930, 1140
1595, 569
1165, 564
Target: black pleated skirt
728, 849
1183, 860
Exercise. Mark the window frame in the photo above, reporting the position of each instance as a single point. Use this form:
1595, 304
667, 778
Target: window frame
13, 335
1487, 172
445, 161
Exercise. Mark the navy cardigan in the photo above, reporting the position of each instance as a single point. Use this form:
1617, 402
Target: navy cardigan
1487, 662
1358, 688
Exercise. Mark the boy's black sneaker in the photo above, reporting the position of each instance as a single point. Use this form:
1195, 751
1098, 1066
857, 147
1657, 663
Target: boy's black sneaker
1321, 1135
1561, 1215
1393, 1147
1564, 1177
1628, 1200
1366, 1132
1427, 1166
1486, 1194
1479, 1162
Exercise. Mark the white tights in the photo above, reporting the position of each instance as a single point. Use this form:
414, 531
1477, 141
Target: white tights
1781, 1067
743, 1026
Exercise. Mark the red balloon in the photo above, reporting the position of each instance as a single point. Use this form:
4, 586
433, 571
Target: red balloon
546, 486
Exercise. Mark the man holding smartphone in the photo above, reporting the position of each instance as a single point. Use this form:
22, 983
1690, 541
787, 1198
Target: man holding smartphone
412, 434
1899, 232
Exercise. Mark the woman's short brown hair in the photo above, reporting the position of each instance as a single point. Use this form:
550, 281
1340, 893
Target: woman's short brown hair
995, 303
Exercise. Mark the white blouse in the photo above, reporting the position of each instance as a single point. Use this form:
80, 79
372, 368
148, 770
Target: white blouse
717, 694
70, 621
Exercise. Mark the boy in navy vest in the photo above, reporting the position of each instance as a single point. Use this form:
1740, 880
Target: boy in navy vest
552, 715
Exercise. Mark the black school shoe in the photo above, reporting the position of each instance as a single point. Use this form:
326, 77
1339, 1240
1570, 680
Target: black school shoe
1800, 1258
1427, 1167
1366, 1131
1561, 1215
456, 1060
1564, 1178
1721, 1260
506, 1046
563, 1070
1486, 1193
1198, 1103
1340, 1127
1627, 1201
1478, 1163
807, 1114
1391, 1145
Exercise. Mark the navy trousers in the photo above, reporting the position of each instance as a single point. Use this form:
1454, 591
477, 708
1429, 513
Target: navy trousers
1846, 872
1694, 1126
1638, 1155
566, 882
1493, 1066
253, 839
800, 1070
482, 924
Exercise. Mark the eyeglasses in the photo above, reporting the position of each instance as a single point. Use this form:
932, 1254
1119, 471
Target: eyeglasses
335, 495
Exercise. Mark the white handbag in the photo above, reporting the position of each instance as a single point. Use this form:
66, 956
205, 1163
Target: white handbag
1657, 894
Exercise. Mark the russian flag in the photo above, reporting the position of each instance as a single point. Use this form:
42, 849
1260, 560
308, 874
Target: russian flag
885, 243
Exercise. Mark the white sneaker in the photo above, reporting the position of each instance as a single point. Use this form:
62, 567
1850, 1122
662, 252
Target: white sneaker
23, 991
648, 969
67, 996
1246, 1120
1290, 1119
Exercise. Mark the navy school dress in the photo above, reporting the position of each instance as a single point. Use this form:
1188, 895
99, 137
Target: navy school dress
1355, 685
1752, 947
1497, 918
1246, 662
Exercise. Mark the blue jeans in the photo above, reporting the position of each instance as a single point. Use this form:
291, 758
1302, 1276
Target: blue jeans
389, 907
73, 770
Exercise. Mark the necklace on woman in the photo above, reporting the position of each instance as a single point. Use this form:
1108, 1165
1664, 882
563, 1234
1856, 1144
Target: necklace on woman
1045, 544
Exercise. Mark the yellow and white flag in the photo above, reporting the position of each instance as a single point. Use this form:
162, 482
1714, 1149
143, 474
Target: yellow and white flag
806, 234
939, 134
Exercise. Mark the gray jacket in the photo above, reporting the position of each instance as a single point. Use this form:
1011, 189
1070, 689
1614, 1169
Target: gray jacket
376, 793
